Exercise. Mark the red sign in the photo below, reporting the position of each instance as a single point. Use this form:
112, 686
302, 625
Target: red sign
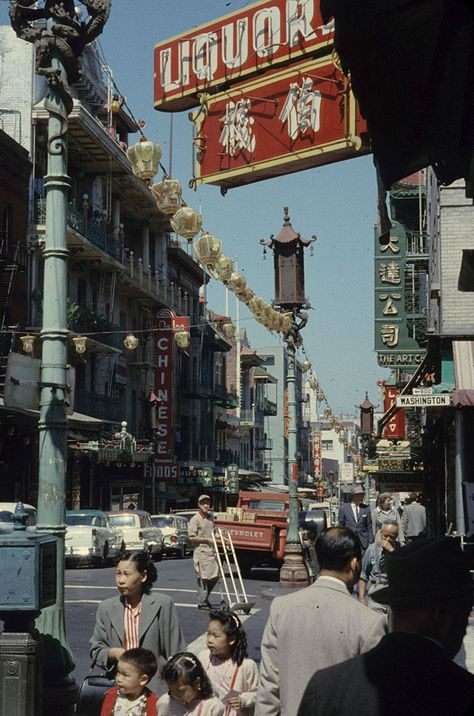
285, 121
180, 324
395, 428
164, 386
317, 454
224, 51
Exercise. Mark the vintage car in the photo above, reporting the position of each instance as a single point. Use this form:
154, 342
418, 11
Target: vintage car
7, 510
90, 537
174, 529
138, 531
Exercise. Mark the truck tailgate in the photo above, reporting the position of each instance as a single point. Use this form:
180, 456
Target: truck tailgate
246, 535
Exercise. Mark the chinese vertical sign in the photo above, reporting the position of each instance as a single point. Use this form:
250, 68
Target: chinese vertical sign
395, 428
164, 387
317, 454
395, 347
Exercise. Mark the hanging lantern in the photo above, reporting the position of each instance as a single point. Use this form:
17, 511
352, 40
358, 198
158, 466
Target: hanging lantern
341, 438
246, 295
337, 428
28, 343
144, 157
320, 397
327, 412
256, 305
237, 283
223, 269
187, 223
208, 250
332, 420
80, 343
130, 342
313, 382
182, 339
287, 322
306, 365
345, 444
229, 329
168, 195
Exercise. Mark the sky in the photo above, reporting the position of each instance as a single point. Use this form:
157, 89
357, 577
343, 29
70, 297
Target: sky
337, 203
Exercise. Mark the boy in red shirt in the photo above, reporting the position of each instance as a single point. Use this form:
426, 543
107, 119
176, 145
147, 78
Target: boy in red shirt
131, 697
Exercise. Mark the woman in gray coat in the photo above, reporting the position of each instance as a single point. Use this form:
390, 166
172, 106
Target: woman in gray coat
386, 511
136, 618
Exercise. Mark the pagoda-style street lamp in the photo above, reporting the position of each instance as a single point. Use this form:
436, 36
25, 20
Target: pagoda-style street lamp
59, 35
367, 438
288, 255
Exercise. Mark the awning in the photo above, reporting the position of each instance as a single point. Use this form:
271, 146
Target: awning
463, 358
79, 418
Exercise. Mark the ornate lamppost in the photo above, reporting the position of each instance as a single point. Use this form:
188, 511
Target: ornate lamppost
288, 255
59, 36
367, 439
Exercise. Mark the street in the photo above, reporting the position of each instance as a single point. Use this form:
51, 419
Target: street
87, 587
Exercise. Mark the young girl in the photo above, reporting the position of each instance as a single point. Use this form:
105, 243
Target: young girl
233, 676
190, 692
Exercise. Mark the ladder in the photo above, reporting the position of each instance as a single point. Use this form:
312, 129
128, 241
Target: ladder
227, 560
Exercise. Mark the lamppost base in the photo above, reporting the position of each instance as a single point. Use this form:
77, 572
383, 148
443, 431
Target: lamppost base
60, 698
293, 573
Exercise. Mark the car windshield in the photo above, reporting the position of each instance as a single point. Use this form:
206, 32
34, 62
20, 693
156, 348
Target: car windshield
73, 520
6, 516
267, 505
122, 520
162, 521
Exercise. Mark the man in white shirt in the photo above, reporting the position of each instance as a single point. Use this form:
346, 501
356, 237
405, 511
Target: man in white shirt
315, 627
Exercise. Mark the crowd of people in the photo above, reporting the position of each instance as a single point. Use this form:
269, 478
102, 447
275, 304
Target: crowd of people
377, 608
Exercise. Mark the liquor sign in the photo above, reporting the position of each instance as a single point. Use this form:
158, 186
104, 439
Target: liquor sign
394, 346
317, 461
225, 51
284, 121
164, 387
395, 428
180, 324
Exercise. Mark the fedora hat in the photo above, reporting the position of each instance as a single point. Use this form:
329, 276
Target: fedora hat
358, 490
425, 571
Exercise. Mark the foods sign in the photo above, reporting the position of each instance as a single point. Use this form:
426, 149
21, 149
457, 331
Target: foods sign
222, 52
286, 120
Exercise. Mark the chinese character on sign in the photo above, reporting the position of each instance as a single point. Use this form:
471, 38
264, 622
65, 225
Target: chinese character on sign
302, 108
237, 132
389, 273
390, 309
389, 335
392, 245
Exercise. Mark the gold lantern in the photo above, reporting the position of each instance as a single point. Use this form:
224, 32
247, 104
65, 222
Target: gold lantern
80, 343
130, 342
246, 295
305, 366
223, 268
28, 343
287, 322
145, 158
237, 283
341, 438
168, 195
313, 383
320, 397
229, 329
187, 223
182, 339
208, 250
256, 305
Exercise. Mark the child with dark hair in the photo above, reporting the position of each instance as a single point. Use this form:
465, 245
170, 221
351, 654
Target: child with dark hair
233, 675
131, 697
189, 690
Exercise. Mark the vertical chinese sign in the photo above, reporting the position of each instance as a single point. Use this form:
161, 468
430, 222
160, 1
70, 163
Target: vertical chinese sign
395, 428
394, 345
164, 392
317, 454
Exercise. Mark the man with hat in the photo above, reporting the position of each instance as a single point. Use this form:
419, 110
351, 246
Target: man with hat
205, 562
356, 516
430, 592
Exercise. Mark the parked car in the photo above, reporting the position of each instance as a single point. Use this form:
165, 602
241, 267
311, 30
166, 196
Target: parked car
7, 510
175, 534
91, 537
138, 531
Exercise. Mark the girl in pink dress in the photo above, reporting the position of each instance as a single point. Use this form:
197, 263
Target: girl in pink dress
233, 676
190, 692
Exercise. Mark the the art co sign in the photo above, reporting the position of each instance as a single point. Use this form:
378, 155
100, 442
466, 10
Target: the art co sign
225, 51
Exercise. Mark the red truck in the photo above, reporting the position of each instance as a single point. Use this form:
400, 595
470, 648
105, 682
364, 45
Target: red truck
258, 526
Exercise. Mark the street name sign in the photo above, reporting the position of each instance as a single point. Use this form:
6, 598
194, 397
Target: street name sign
424, 401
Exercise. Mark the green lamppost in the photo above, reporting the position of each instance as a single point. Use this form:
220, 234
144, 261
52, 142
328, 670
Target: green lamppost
288, 255
59, 36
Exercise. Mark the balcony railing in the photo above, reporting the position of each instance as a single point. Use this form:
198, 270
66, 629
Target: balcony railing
98, 406
417, 244
247, 417
269, 407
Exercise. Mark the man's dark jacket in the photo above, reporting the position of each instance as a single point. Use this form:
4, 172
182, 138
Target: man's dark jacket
363, 526
405, 675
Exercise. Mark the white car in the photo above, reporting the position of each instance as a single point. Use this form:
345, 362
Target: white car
91, 537
175, 534
138, 531
7, 510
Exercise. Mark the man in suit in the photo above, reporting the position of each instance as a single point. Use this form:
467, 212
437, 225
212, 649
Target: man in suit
413, 518
315, 627
430, 592
356, 516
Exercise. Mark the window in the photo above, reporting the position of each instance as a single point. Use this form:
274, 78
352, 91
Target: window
327, 444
